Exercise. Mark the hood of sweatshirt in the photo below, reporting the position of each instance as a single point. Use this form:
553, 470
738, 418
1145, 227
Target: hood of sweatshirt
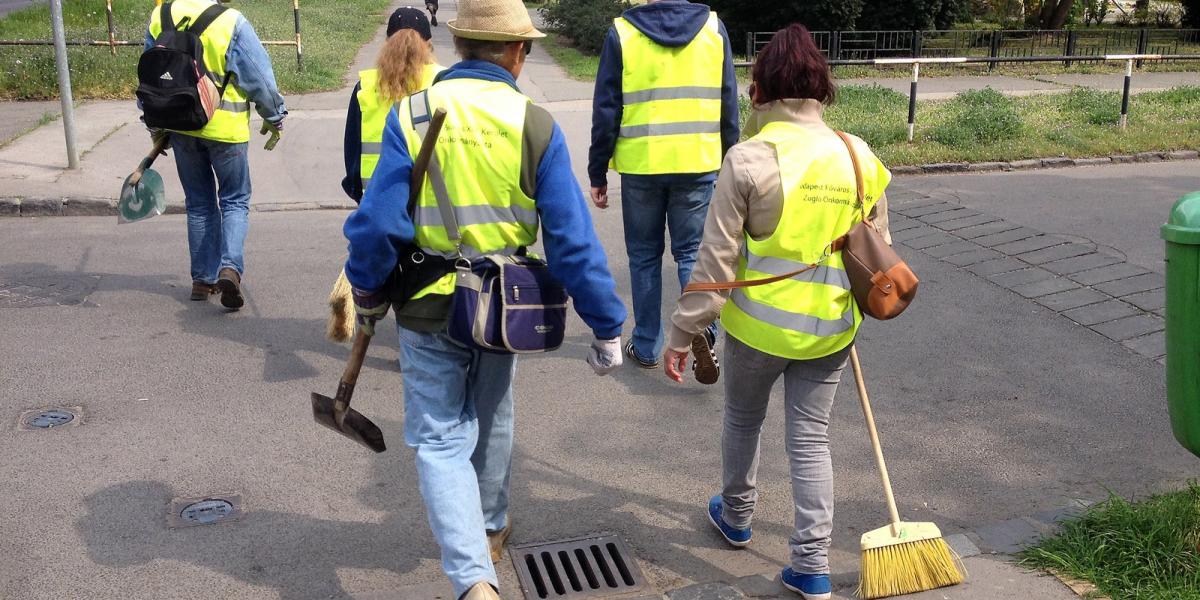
670, 23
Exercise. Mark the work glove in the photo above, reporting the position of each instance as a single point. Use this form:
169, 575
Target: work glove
369, 308
605, 355
275, 129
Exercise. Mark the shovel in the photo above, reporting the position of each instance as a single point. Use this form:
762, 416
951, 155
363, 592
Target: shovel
336, 414
142, 194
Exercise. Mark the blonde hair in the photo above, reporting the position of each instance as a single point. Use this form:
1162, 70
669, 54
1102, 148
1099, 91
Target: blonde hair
402, 63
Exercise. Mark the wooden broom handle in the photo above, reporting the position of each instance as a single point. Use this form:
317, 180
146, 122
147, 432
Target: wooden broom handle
883, 472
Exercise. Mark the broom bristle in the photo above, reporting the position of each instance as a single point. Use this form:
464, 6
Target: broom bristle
340, 325
908, 568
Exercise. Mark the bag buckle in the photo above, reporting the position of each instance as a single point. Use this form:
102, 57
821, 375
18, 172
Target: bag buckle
417, 258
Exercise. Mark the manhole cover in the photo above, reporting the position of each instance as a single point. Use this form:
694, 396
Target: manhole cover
206, 510
49, 418
33, 290
576, 568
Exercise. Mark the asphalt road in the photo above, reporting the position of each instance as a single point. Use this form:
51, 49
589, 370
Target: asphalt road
7, 6
991, 408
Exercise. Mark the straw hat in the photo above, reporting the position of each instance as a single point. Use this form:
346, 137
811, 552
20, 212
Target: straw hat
494, 20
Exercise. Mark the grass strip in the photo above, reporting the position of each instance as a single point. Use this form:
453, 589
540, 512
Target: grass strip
1147, 550
333, 31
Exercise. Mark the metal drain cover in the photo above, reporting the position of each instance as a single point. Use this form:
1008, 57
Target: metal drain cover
576, 568
50, 418
205, 510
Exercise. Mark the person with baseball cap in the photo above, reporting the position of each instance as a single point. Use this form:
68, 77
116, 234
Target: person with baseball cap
504, 170
406, 64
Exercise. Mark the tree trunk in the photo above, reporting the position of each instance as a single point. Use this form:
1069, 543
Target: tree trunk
1061, 13
1047, 12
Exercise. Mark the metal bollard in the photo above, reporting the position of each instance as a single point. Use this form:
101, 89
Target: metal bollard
1182, 234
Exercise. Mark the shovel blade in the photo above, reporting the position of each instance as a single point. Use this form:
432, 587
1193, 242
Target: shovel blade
355, 426
142, 200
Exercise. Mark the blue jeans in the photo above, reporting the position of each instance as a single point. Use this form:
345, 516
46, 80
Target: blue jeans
216, 191
648, 209
458, 416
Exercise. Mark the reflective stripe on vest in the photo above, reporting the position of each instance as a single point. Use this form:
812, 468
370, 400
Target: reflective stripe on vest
479, 151
811, 314
671, 114
374, 110
230, 123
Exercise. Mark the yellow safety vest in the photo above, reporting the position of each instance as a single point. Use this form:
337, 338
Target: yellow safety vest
479, 153
374, 109
671, 120
812, 314
231, 121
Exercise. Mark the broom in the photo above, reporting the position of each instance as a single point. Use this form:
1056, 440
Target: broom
900, 558
340, 326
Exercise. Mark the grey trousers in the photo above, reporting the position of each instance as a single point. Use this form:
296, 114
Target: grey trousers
808, 389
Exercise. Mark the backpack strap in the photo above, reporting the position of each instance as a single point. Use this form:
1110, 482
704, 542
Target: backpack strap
164, 17
205, 19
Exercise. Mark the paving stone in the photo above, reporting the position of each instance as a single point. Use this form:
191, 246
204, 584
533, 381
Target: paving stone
1132, 285
1151, 345
972, 257
909, 199
914, 233
1021, 277
1057, 162
1093, 162
995, 267
1130, 327
706, 591
963, 223
1149, 156
1150, 300
1006, 237
926, 209
1008, 537
1053, 253
1076, 264
1101, 312
759, 586
1029, 244
988, 166
1037, 289
930, 241
1074, 298
979, 231
1122, 158
1183, 155
1109, 273
955, 247
1059, 515
1020, 165
944, 167
962, 545
949, 215
906, 224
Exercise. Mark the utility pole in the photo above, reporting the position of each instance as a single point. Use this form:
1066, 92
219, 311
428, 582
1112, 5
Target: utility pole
64, 82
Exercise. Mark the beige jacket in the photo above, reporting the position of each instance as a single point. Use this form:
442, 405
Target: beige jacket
748, 198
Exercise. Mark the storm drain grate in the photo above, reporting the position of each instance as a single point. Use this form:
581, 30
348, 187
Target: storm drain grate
206, 510
588, 566
49, 418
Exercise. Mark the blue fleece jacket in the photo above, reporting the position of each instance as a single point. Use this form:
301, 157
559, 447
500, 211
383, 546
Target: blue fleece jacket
671, 23
247, 60
381, 224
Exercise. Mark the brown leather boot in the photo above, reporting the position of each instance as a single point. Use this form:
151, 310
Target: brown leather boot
201, 290
229, 283
481, 591
497, 540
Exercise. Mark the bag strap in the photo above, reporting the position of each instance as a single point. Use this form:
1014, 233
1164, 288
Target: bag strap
205, 19
418, 106
164, 18
858, 177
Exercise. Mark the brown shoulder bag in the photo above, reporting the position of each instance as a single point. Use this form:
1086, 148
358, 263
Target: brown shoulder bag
882, 283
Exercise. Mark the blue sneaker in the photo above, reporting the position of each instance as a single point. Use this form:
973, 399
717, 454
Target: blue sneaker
810, 587
738, 538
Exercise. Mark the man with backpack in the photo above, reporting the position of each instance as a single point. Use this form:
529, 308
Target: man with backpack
202, 66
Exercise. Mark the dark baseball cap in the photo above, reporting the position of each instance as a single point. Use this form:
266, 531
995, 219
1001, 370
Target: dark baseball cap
408, 17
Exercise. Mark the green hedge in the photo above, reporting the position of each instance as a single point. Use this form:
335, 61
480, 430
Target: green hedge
586, 22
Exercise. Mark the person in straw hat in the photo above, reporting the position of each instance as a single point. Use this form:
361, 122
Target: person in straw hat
507, 175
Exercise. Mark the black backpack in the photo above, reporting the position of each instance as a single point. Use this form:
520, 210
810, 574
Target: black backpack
176, 89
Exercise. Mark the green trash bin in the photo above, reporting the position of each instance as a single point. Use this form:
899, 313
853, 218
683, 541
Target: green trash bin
1182, 234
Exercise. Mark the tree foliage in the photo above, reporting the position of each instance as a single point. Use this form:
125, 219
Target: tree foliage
586, 22
1191, 13
912, 14
741, 16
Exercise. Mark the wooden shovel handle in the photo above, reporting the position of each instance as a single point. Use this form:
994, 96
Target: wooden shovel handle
421, 163
883, 472
160, 145
357, 353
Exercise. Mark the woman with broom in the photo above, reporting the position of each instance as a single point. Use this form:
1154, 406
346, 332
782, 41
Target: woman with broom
781, 198
406, 65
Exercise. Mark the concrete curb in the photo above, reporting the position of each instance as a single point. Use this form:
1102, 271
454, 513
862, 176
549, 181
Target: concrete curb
1056, 162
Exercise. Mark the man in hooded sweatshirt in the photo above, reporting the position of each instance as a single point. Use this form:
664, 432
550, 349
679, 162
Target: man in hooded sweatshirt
664, 112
